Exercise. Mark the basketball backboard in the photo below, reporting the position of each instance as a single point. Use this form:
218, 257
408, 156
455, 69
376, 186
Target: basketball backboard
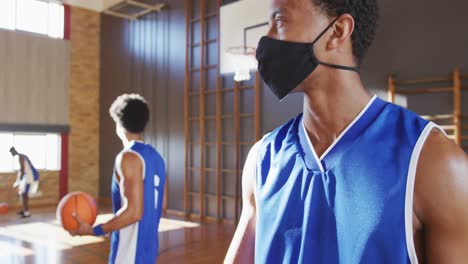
242, 23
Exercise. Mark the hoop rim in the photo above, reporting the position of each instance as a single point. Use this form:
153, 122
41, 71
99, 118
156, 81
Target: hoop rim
241, 50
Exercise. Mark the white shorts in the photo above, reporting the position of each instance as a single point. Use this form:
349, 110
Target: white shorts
28, 188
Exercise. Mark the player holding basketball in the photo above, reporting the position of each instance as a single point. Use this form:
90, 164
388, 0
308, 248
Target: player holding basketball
137, 188
353, 179
27, 181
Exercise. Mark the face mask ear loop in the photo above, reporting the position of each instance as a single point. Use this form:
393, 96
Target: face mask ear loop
325, 31
333, 65
347, 68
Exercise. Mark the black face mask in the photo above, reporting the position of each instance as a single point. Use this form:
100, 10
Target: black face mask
284, 65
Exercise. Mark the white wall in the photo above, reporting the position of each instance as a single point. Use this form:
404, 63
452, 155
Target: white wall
95, 5
34, 79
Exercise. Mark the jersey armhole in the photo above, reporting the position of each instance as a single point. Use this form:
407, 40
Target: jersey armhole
254, 155
409, 197
118, 166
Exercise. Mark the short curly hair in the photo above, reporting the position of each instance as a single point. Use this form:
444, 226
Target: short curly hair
366, 16
131, 112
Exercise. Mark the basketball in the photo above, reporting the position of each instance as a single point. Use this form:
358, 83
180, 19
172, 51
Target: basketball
80, 203
3, 208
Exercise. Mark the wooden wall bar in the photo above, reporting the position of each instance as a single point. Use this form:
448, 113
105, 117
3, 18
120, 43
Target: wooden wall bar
222, 115
455, 130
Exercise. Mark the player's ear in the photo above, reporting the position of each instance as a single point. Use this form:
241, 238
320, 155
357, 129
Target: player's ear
342, 31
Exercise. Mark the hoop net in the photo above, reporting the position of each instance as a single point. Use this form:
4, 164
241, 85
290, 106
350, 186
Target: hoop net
243, 59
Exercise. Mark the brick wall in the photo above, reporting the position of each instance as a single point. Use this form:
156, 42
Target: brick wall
84, 101
48, 188
84, 118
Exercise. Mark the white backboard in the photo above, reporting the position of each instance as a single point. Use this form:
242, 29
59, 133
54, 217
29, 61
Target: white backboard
237, 18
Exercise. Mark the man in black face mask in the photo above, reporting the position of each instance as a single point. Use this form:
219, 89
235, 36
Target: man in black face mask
353, 179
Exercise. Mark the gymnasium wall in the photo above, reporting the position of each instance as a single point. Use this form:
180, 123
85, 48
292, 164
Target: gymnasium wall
146, 56
83, 173
416, 40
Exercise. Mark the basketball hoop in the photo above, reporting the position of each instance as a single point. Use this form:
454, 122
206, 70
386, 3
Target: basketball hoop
243, 59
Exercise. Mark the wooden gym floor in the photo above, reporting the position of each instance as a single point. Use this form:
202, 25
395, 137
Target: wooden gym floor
40, 240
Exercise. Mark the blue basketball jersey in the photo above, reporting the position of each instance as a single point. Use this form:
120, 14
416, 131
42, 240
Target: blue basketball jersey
354, 204
138, 243
34, 172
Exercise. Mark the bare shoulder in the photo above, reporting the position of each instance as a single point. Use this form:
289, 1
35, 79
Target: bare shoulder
441, 179
249, 174
128, 162
128, 157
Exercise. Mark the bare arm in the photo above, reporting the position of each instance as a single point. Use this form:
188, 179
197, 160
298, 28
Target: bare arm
441, 198
20, 173
131, 182
242, 248
21, 162
131, 177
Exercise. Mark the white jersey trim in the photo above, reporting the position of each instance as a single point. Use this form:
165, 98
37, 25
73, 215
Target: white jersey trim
28, 172
251, 163
128, 236
338, 139
128, 239
410, 191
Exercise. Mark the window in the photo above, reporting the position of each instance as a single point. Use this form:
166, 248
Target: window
42, 149
7, 14
37, 16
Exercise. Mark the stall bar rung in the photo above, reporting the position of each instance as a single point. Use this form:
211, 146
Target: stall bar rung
206, 92
248, 143
227, 90
206, 143
227, 117
427, 81
206, 169
425, 90
207, 67
208, 41
243, 87
246, 115
452, 137
448, 128
205, 118
209, 15
212, 195
437, 117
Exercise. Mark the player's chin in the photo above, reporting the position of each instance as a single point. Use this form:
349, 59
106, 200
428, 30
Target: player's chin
298, 89
301, 88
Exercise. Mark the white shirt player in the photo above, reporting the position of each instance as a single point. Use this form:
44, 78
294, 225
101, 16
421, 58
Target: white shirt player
27, 182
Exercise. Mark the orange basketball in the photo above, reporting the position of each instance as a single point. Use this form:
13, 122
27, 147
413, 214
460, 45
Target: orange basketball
80, 203
3, 208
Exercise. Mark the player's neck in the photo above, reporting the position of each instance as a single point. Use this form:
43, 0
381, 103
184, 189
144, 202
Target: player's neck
330, 105
129, 137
